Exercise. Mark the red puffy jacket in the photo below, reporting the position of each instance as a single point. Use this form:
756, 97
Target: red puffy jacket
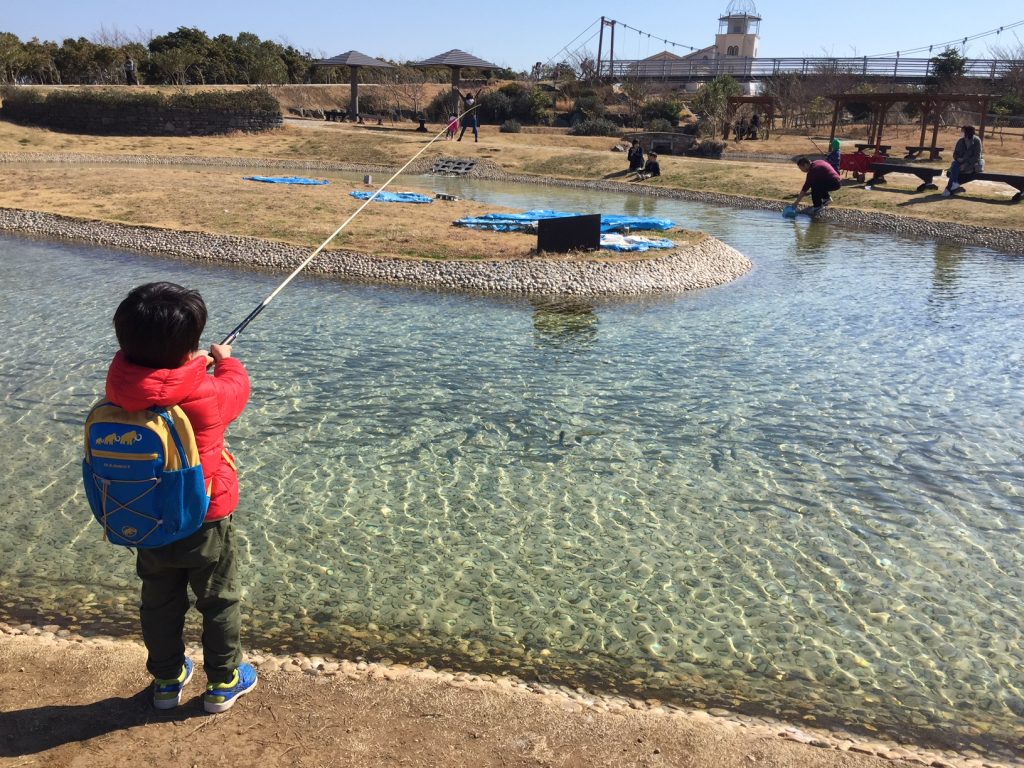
210, 402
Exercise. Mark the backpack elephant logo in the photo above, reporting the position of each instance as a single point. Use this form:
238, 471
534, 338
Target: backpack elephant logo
128, 438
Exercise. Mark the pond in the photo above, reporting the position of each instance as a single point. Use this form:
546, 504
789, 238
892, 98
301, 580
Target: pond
798, 494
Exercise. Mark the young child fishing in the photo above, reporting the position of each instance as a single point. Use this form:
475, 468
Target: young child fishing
159, 366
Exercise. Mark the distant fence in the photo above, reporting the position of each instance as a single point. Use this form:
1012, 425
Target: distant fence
896, 69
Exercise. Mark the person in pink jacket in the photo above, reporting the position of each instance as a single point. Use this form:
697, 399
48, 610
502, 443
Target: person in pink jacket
158, 327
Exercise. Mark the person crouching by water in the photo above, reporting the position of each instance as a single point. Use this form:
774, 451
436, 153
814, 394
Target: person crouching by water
635, 156
966, 159
651, 168
821, 179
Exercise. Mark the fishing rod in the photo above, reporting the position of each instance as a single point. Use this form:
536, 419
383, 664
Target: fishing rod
230, 338
815, 145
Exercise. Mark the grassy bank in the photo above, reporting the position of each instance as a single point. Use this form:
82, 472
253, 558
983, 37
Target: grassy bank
548, 153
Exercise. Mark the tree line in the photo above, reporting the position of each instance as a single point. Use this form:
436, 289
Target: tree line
187, 56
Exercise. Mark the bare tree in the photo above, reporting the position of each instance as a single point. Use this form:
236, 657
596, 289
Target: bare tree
636, 91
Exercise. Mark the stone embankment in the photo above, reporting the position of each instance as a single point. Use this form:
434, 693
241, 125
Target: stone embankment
705, 264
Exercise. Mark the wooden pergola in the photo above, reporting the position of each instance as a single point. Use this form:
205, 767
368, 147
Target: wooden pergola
931, 106
734, 103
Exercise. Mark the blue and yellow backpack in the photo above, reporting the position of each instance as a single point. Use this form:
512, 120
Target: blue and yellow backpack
142, 474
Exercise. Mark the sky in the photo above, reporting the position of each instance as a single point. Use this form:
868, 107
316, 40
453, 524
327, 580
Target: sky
517, 34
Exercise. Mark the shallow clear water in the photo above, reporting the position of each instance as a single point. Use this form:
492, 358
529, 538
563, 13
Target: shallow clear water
800, 493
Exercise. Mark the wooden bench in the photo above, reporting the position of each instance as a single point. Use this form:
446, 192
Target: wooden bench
926, 175
1017, 182
880, 149
934, 153
363, 119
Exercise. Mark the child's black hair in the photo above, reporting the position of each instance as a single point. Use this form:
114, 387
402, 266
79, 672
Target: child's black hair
159, 324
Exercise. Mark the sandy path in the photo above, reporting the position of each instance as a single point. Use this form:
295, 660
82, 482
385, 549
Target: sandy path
71, 703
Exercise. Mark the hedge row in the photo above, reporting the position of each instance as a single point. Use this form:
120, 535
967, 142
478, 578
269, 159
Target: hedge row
129, 112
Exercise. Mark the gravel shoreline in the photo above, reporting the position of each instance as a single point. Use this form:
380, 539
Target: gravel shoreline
570, 699
1010, 241
705, 264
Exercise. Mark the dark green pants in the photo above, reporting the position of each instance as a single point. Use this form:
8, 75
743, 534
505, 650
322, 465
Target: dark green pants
205, 561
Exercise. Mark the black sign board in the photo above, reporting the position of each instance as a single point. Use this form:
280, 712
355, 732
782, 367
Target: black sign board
571, 233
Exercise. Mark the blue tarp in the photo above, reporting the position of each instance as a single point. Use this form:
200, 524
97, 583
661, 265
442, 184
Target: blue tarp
515, 222
614, 242
286, 180
394, 197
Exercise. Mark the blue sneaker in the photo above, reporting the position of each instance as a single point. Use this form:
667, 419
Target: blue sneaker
167, 693
220, 697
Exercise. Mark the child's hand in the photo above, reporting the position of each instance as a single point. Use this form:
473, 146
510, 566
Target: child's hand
220, 352
200, 353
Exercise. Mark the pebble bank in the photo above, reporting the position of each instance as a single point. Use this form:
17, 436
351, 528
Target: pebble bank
704, 264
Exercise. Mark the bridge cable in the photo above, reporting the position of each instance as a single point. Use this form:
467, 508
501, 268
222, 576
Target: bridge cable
948, 43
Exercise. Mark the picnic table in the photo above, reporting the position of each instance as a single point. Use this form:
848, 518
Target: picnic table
926, 175
880, 149
1010, 179
934, 153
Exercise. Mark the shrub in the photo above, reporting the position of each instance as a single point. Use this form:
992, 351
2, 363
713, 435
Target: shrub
664, 109
590, 104
513, 101
511, 126
659, 124
707, 148
121, 110
595, 127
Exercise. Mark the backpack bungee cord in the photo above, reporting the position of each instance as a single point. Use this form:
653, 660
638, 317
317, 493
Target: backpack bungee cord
230, 338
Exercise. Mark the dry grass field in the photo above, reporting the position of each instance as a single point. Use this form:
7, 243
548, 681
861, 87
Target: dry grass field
548, 152
217, 199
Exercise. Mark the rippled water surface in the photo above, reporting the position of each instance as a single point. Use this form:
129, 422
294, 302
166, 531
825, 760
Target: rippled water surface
800, 493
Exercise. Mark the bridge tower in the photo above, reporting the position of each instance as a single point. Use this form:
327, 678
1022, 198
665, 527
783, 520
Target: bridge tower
739, 30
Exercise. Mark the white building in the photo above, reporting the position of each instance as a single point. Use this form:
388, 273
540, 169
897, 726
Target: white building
736, 45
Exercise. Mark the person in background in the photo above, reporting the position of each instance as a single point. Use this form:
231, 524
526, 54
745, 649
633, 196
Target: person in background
966, 159
821, 178
635, 156
833, 157
651, 169
472, 119
453, 127
741, 130
755, 124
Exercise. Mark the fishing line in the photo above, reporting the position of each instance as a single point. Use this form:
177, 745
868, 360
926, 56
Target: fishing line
263, 304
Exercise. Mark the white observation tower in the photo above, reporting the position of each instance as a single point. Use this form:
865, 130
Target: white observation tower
739, 30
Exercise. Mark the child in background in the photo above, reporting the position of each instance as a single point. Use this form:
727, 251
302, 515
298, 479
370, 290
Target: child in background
833, 156
158, 326
453, 127
651, 169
